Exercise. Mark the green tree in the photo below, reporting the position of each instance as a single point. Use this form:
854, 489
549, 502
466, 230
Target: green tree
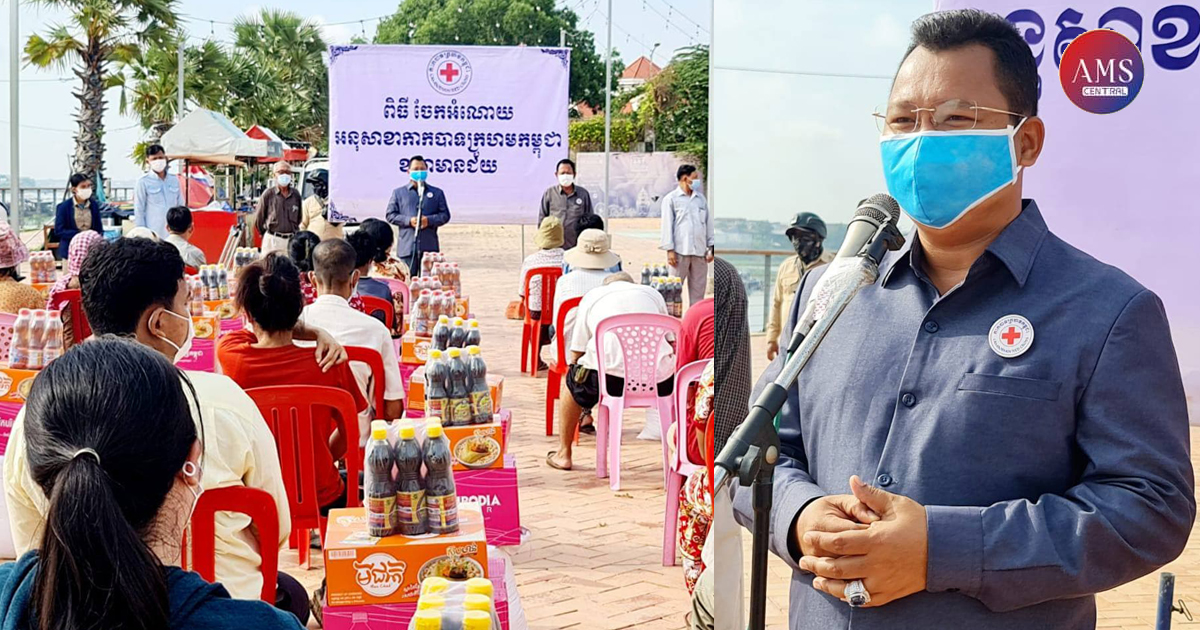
503, 23
99, 33
680, 104
149, 88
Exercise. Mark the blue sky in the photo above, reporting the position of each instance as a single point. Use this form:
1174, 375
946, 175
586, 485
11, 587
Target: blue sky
787, 136
47, 107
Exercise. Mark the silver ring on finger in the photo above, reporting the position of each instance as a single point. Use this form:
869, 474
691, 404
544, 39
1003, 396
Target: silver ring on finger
856, 594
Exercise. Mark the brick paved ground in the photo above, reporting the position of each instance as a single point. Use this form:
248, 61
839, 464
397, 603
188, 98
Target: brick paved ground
1129, 607
593, 557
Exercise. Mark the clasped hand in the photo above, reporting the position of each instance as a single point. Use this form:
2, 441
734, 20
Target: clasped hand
871, 535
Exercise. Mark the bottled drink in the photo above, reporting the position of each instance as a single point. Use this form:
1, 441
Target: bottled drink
459, 403
481, 394
214, 277
196, 300
473, 335
441, 499
436, 374
18, 352
420, 314
53, 347
457, 280
441, 333
380, 493
678, 297
223, 282
410, 486
427, 263
477, 619
448, 304
37, 340
646, 274
458, 334
414, 285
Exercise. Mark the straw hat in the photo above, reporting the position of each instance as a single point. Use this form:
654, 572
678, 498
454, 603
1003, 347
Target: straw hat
12, 251
142, 232
592, 251
549, 234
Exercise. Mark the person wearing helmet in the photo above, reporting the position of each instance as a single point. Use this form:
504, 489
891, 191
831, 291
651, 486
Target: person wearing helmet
315, 217
807, 233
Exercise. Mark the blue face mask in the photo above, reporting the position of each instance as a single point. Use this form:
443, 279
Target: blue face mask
939, 176
420, 176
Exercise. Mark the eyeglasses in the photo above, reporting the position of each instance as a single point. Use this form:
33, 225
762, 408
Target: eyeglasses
952, 115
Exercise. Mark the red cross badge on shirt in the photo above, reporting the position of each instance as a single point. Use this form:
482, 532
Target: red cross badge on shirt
1011, 336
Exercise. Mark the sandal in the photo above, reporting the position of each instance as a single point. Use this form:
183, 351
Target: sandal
551, 463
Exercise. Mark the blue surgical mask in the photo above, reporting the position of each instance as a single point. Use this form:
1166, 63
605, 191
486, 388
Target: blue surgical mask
939, 176
420, 176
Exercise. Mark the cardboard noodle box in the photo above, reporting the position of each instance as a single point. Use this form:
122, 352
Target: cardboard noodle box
413, 349
462, 307
494, 490
416, 389
223, 309
363, 570
462, 438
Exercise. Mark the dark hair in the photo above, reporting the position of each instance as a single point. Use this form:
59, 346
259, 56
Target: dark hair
300, 248
382, 233
565, 161
591, 221
155, 149
417, 158
684, 171
77, 179
119, 280
95, 569
1014, 66
179, 219
269, 291
364, 248
334, 260
12, 272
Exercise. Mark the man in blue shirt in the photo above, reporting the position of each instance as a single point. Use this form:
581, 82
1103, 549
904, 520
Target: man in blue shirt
409, 201
1015, 404
156, 192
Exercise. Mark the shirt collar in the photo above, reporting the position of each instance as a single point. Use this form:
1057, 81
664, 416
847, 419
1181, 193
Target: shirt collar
1016, 246
333, 300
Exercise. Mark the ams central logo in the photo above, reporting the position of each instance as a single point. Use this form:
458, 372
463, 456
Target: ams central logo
1101, 71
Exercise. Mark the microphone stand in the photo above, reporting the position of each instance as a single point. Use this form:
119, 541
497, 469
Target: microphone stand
752, 452
416, 253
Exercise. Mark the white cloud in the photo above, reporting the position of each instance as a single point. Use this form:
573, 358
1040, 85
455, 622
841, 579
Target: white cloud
337, 33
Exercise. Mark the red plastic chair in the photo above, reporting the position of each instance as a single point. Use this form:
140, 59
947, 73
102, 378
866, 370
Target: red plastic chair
72, 299
188, 270
375, 362
558, 367
531, 333
374, 305
260, 507
288, 410
677, 469
639, 335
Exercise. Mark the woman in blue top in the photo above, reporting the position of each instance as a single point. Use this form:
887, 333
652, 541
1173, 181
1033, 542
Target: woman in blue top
77, 213
121, 470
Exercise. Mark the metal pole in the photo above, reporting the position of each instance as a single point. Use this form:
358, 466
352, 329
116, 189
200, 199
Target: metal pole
1166, 600
607, 111
562, 38
14, 127
179, 82
522, 242
767, 284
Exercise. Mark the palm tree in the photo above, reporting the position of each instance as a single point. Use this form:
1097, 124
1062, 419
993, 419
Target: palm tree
290, 48
149, 83
99, 33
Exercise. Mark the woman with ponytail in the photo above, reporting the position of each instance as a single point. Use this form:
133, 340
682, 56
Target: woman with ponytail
268, 294
122, 474
386, 265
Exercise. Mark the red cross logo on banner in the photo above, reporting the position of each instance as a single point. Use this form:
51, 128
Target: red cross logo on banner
449, 72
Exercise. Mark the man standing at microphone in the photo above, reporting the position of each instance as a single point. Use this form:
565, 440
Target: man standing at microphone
418, 209
1015, 405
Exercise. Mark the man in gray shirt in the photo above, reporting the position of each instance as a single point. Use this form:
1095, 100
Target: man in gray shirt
567, 201
1012, 477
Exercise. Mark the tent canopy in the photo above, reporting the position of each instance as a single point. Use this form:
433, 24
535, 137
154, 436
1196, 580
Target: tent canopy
206, 136
264, 133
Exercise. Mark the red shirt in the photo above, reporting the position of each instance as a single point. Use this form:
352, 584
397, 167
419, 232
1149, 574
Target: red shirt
252, 367
695, 344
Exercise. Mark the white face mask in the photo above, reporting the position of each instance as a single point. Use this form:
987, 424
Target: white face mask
566, 179
83, 193
283, 179
158, 165
196, 490
181, 350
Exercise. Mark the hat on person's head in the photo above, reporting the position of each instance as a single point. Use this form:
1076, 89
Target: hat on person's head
807, 221
12, 251
549, 234
592, 251
142, 232
319, 175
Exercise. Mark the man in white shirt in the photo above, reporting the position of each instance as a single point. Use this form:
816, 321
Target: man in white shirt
156, 192
687, 232
618, 296
336, 276
179, 234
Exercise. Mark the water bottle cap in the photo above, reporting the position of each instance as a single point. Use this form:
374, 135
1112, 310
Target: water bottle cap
24, 312
477, 601
455, 353
408, 432
458, 321
433, 429
435, 354
432, 601
53, 314
473, 350
480, 586
378, 433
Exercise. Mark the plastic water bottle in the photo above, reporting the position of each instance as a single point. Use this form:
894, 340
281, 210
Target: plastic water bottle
481, 394
379, 490
37, 340
410, 485
441, 497
18, 351
53, 346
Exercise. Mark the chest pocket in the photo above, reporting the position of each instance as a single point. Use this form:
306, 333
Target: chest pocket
1019, 387
154, 188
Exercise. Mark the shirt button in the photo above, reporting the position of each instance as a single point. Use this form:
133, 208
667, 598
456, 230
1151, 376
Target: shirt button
931, 326
908, 399
884, 480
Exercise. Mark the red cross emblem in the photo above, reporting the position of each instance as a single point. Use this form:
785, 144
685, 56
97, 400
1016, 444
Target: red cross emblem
1010, 336
449, 72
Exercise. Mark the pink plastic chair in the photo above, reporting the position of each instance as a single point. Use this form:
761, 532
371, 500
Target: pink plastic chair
640, 335
399, 286
678, 468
